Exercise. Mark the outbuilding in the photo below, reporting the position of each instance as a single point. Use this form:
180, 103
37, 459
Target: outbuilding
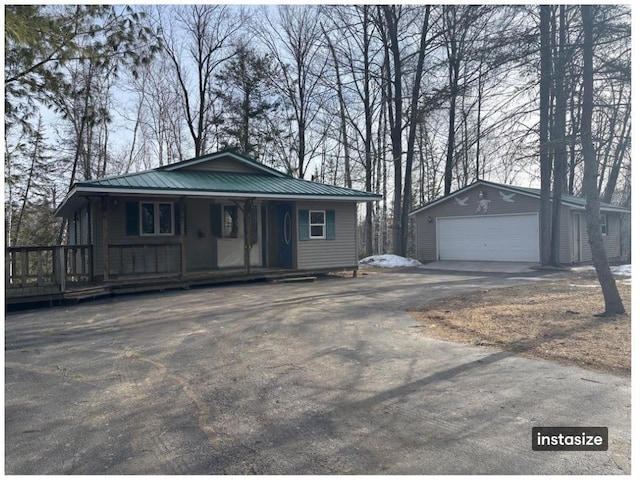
487, 221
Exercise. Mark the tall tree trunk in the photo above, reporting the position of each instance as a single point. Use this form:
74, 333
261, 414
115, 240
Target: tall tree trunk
479, 121
451, 135
413, 121
612, 300
35, 155
454, 77
394, 102
559, 141
545, 161
343, 115
625, 138
368, 119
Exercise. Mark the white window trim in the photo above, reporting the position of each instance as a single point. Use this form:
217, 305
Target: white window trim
323, 225
156, 218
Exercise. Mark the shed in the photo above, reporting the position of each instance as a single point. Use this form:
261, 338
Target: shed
488, 221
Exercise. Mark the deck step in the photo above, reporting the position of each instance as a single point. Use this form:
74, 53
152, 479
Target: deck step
80, 294
294, 279
149, 287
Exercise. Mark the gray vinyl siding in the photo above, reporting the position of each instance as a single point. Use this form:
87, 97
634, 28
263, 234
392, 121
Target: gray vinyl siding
426, 249
565, 235
325, 254
340, 253
426, 238
611, 240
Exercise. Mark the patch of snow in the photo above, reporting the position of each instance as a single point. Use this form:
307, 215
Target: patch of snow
389, 261
624, 270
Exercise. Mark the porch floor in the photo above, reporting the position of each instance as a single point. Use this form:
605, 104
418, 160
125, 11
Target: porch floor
143, 283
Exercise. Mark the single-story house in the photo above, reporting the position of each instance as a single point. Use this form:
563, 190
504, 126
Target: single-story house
488, 221
220, 211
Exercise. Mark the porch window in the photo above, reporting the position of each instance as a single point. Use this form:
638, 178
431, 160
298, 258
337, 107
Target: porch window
604, 225
230, 228
317, 224
156, 218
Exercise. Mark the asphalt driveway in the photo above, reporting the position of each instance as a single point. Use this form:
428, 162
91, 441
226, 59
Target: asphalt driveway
324, 377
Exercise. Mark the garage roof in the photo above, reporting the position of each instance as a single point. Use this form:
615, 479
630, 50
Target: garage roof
569, 200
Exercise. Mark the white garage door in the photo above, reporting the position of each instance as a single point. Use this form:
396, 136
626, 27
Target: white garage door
505, 238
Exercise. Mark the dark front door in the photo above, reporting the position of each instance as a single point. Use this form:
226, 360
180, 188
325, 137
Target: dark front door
285, 235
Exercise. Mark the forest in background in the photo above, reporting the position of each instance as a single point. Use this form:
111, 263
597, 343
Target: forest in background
412, 102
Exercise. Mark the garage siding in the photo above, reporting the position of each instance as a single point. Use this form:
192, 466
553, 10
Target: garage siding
426, 238
565, 235
338, 253
611, 240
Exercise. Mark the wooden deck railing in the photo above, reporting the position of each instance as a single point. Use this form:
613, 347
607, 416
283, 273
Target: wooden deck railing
47, 266
145, 259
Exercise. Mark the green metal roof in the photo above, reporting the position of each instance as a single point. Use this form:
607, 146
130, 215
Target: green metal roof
220, 182
185, 179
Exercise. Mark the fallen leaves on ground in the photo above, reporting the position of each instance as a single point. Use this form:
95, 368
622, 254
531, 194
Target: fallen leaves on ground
553, 320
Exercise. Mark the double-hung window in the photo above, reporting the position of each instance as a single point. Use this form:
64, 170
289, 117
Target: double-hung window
156, 218
317, 224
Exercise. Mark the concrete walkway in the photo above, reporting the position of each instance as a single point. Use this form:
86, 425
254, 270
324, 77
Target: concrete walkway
325, 377
483, 267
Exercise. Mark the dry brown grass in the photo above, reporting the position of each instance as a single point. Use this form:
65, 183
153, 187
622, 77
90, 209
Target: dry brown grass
550, 320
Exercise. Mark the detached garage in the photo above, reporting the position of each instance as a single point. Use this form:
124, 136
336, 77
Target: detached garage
493, 222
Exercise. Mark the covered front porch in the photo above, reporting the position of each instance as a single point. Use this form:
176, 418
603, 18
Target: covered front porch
64, 272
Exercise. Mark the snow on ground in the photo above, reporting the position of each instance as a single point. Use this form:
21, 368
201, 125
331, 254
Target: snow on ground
389, 261
624, 270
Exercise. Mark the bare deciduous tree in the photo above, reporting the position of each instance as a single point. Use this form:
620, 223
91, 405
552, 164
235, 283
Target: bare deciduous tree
294, 39
197, 39
612, 300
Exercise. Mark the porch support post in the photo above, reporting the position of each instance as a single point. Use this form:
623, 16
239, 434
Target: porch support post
59, 254
183, 244
246, 211
105, 235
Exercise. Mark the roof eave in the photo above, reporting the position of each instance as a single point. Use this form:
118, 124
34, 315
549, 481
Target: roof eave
81, 189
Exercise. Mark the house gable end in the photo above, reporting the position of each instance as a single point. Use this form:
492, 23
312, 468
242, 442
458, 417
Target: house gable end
508, 193
224, 161
459, 196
